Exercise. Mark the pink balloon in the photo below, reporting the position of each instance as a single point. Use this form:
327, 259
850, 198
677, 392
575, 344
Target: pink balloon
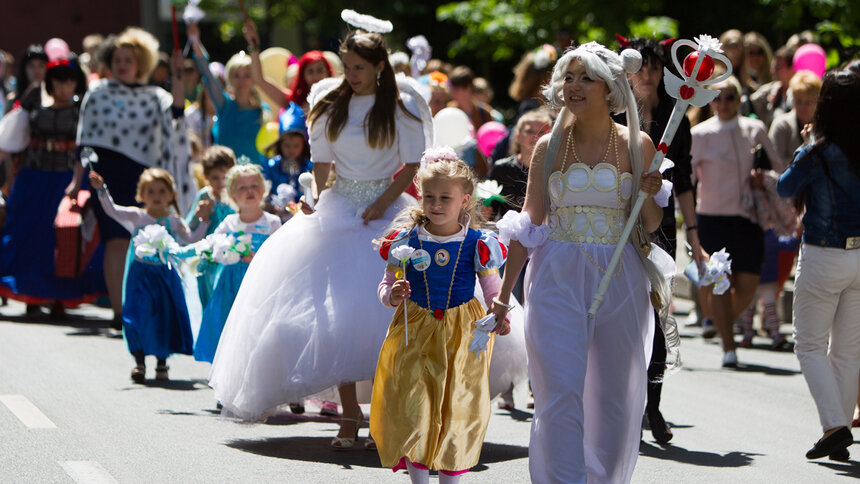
56, 49
810, 57
489, 135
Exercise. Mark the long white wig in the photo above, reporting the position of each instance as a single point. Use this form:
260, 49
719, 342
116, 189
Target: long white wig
612, 68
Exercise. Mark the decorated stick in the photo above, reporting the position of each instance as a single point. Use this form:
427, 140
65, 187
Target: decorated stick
175, 28
244, 10
306, 180
696, 72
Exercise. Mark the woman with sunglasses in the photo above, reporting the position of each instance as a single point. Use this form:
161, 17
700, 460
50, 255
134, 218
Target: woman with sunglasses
722, 162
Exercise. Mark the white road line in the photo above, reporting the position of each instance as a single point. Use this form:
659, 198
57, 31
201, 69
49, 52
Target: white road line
26, 412
87, 472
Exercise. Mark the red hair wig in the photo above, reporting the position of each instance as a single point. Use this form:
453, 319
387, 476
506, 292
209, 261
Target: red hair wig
301, 89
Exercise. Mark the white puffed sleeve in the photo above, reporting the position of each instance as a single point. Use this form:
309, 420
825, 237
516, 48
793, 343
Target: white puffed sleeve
518, 226
410, 131
321, 151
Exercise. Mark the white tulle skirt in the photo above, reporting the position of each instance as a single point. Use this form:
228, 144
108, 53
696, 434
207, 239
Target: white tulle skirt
588, 376
307, 316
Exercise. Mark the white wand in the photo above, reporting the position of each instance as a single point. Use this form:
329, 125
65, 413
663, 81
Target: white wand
697, 70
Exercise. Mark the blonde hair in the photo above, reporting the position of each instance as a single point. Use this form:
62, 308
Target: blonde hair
152, 175
450, 170
805, 82
238, 61
145, 48
540, 115
239, 171
764, 75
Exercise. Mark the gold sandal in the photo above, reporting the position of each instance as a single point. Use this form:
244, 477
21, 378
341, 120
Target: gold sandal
344, 443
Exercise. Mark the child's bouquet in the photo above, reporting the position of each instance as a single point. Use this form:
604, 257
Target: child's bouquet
224, 249
489, 191
284, 201
154, 243
716, 272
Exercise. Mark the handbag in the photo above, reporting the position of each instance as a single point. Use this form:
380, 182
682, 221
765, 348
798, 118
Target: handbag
763, 204
77, 235
768, 209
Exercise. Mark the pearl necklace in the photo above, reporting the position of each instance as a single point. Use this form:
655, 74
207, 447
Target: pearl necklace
612, 143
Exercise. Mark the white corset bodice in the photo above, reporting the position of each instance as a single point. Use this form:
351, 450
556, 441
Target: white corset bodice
585, 205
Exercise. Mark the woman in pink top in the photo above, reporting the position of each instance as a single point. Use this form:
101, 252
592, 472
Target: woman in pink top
722, 162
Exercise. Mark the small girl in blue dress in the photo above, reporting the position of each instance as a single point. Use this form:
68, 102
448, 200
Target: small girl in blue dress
431, 398
217, 160
292, 154
154, 313
246, 187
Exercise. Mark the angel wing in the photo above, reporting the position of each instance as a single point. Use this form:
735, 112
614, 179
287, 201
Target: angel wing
682, 91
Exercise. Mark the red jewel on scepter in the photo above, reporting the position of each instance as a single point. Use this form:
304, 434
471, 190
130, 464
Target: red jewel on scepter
705, 70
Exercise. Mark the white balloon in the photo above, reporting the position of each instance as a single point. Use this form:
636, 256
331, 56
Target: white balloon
453, 128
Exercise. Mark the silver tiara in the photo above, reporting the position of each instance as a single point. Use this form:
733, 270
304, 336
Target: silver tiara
593, 47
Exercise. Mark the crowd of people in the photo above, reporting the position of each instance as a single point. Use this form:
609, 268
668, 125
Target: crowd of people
211, 233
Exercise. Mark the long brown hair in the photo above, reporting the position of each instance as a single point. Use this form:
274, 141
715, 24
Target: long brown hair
380, 121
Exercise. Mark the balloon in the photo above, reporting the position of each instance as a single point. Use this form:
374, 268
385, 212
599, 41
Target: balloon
489, 134
274, 62
453, 128
810, 57
335, 62
217, 69
56, 49
267, 135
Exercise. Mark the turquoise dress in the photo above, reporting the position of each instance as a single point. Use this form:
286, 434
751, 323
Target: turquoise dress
228, 279
206, 277
235, 127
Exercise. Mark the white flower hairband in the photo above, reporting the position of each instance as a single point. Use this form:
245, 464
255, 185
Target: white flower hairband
439, 153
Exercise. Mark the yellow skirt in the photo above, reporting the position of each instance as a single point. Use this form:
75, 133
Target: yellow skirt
431, 398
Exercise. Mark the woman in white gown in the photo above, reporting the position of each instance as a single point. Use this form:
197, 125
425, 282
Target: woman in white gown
588, 375
306, 317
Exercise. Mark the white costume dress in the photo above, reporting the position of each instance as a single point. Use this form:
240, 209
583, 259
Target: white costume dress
588, 376
306, 316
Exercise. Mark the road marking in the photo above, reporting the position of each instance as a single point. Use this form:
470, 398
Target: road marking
26, 412
87, 472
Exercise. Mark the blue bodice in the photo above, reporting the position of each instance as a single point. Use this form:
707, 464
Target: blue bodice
443, 257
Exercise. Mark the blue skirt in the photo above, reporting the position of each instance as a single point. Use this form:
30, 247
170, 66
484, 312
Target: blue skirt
154, 313
227, 283
28, 242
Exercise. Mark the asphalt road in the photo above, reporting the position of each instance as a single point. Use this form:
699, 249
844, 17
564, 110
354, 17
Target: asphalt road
69, 413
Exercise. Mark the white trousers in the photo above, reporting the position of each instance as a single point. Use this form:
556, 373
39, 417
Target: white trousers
827, 329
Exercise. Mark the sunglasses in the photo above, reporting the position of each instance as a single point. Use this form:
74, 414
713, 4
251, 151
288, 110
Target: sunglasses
729, 98
755, 52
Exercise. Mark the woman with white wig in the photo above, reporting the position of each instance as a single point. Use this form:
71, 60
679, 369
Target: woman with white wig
588, 375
